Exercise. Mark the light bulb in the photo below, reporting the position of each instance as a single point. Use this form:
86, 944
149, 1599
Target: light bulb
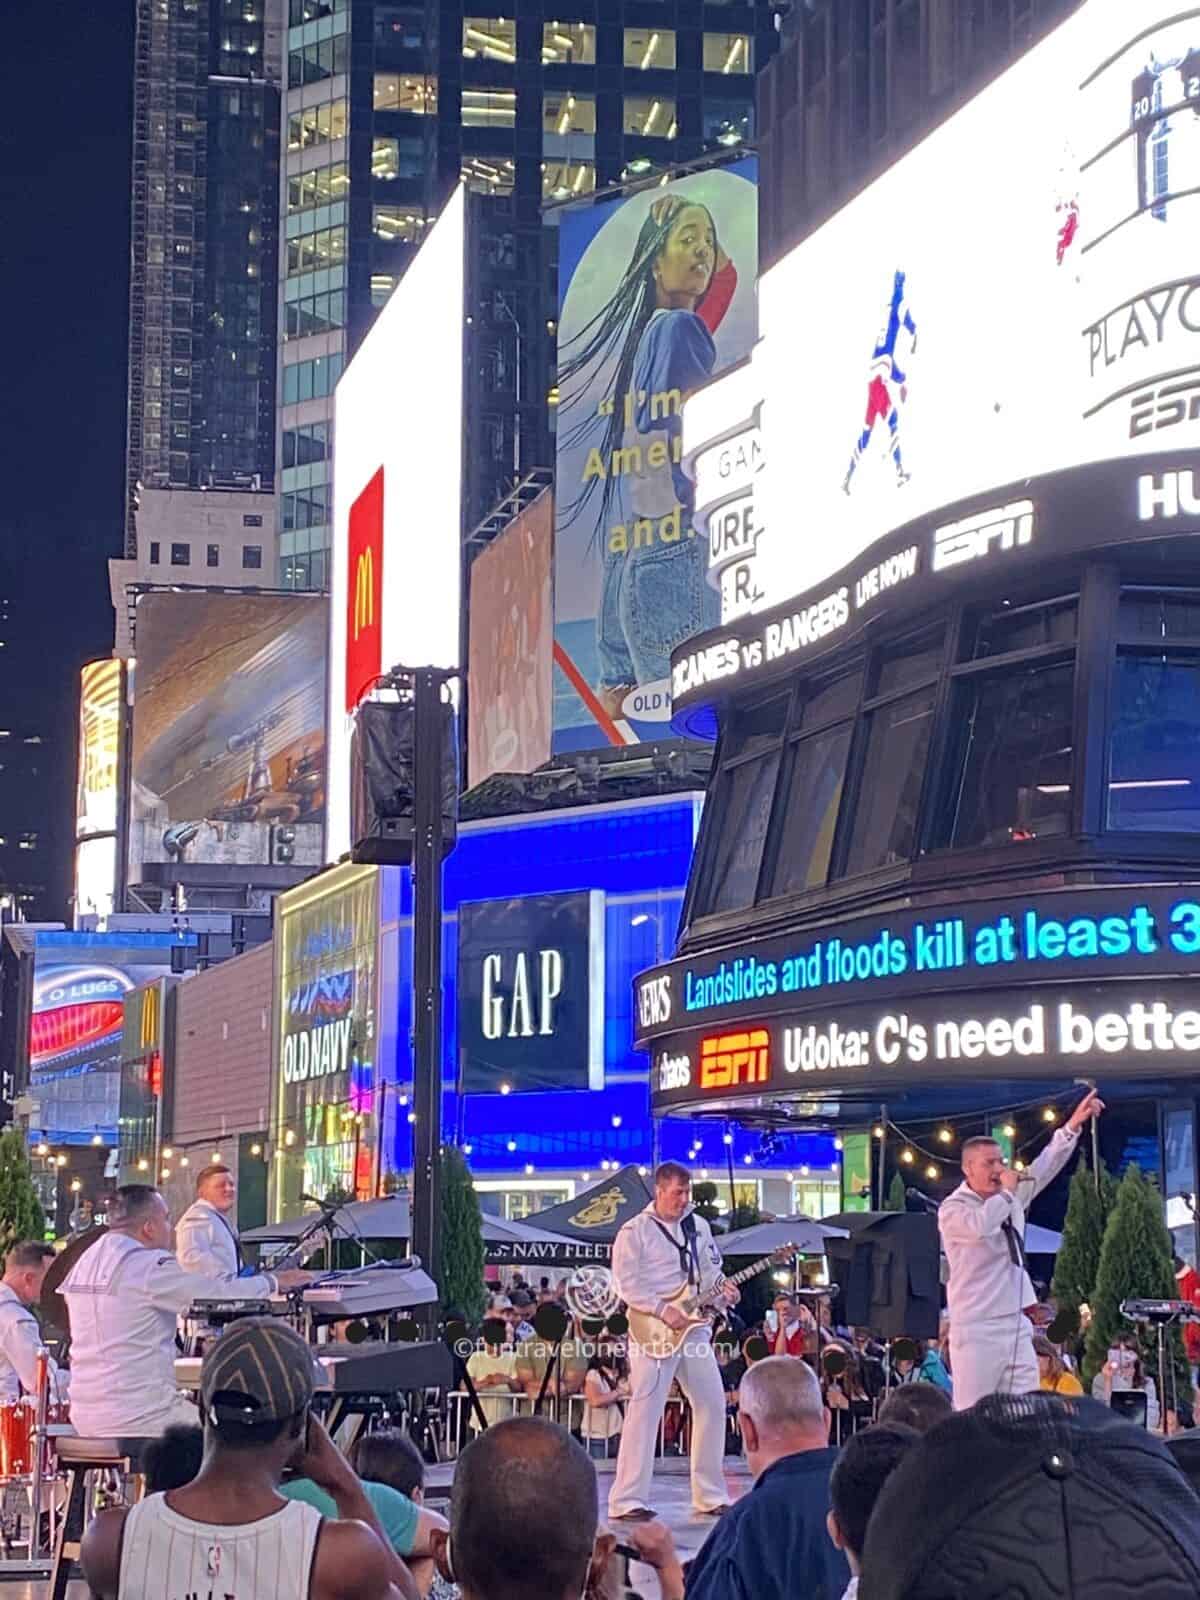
1049, 1115
945, 1135
1009, 1131
907, 1157
878, 1132
931, 1172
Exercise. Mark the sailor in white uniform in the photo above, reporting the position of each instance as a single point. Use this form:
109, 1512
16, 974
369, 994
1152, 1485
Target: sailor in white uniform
206, 1240
655, 1254
20, 1336
123, 1298
982, 1225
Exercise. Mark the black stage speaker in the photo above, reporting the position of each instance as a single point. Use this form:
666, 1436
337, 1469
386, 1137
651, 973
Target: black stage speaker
383, 753
888, 1273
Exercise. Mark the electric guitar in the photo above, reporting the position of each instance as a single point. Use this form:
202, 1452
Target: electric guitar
655, 1338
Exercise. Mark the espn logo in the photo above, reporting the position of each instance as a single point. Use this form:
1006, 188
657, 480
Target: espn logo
729, 1059
1165, 407
974, 537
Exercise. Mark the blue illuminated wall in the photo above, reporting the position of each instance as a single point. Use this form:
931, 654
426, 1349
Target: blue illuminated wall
639, 853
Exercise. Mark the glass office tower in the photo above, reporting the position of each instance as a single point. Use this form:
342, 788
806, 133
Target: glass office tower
388, 106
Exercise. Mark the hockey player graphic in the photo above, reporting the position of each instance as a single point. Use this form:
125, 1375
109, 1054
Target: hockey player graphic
888, 386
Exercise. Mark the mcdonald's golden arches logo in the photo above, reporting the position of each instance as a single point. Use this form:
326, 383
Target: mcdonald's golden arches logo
150, 1018
364, 591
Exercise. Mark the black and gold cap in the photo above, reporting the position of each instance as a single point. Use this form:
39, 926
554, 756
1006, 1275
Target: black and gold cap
259, 1370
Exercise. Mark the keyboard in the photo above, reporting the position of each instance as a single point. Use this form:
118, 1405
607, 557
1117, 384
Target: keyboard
368, 1368
1160, 1311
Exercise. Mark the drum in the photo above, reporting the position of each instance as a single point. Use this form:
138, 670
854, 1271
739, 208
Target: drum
16, 1435
16, 1438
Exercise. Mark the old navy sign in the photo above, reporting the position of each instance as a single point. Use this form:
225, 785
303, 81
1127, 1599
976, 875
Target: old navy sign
317, 1052
531, 993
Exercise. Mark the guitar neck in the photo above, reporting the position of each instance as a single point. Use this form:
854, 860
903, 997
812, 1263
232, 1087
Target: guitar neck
752, 1270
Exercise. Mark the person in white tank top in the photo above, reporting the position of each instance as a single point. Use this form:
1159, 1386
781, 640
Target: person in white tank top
229, 1534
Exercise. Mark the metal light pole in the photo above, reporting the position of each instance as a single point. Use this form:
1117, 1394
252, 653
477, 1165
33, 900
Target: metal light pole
430, 685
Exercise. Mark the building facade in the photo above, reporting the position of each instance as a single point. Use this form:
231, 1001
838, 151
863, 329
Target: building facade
857, 82
388, 106
205, 234
949, 862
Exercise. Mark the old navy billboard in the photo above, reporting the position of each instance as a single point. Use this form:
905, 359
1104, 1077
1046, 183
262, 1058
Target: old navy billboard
656, 297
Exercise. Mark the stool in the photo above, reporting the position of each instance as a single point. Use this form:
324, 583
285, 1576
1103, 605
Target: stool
78, 1457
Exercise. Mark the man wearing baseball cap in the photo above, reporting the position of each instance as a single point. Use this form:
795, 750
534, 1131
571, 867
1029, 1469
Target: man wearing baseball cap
230, 1531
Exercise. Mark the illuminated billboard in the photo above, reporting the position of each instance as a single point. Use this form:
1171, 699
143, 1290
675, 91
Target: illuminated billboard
509, 652
397, 490
656, 297
326, 1037
966, 324
77, 1014
99, 741
228, 761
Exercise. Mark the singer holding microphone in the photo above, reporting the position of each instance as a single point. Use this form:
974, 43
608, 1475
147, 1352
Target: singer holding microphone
982, 1225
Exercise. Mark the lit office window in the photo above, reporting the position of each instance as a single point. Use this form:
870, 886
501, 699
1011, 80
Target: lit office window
568, 44
565, 114
392, 223
728, 52
319, 187
487, 175
650, 116
382, 284
650, 47
317, 125
489, 108
404, 91
563, 180
727, 122
402, 157
489, 38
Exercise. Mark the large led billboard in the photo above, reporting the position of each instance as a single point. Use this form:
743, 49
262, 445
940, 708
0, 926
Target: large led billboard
99, 740
397, 493
656, 297
228, 762
80, 981
509, 649
1018, 295
326, 1037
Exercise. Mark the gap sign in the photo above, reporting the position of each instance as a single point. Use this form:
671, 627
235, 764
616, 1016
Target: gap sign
531, 993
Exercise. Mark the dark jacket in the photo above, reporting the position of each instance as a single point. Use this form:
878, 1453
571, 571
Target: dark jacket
774, 1542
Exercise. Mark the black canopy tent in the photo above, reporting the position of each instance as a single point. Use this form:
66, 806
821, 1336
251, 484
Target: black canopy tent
582, 1229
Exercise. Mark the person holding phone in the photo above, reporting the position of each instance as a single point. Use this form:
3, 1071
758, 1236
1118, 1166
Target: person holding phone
1124, 1373
230, 1531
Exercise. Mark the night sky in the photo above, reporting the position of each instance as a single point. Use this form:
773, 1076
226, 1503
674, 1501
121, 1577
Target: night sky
64, 271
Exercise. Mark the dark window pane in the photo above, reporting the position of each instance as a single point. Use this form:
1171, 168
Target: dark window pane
740, 820
755, 728
1002, 632
914, 662
1014, 766
154, 552
252, 555
1152, 616
214, 555
181, 555
832, 699
1154, 780
885, 822
816, 773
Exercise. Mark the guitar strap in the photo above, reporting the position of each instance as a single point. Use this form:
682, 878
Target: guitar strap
689, 1262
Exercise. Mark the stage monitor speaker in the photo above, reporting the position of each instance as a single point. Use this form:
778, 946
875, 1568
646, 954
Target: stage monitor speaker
383, 755
888, 1272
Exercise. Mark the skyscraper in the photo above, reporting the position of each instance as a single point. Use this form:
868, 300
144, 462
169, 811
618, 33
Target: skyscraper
857, 82
205, 236
388, 106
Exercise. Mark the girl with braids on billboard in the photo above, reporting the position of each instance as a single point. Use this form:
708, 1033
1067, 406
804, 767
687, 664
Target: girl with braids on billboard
658, 328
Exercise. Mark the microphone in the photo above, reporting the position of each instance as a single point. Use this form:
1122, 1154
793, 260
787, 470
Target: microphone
321, 1205
925, 1201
